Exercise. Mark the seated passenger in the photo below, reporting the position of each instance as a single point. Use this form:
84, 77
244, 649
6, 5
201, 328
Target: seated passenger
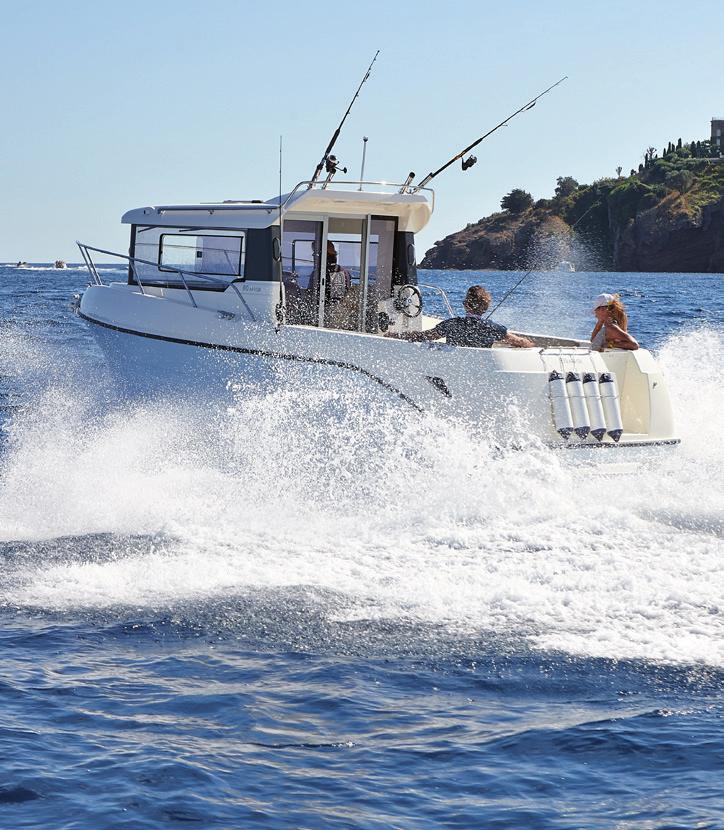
339, 304
472, 329
611, 329
338, 280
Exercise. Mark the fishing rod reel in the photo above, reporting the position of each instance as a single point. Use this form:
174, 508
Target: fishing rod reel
331, 166
468, 162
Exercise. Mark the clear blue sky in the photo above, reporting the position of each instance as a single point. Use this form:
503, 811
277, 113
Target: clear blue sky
113, 105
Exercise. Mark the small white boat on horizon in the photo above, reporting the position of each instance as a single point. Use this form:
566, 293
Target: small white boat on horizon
258, 293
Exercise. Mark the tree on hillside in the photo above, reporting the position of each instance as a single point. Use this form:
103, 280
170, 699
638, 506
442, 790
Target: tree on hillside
565, 185
618, 171
517, 201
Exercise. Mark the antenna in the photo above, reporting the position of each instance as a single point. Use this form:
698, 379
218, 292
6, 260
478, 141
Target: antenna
280, 183
364, 154
327, 158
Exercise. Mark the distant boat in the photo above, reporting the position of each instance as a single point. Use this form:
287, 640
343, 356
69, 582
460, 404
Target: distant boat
565, 265
21, 264
59, 263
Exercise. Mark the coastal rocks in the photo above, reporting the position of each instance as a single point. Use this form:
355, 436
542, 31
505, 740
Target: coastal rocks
667, 237
505, 242
664, 235
668, 217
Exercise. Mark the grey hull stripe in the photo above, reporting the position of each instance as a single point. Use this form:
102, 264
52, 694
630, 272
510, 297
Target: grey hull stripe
258, 353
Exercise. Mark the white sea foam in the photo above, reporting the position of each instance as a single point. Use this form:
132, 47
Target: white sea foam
401, 521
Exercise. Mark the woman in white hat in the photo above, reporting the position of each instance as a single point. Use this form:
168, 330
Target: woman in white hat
610, 331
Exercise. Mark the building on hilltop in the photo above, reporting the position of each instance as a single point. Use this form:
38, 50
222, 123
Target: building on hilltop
717, 131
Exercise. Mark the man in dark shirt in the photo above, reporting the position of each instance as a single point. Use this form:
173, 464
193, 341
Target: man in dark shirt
472, 329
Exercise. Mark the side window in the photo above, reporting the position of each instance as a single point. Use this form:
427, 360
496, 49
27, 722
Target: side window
301, 246
207, 254
382, 245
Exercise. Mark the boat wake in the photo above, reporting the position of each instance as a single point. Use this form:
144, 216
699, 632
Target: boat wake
361, 516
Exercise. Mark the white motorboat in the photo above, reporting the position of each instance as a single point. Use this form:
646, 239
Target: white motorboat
249, 293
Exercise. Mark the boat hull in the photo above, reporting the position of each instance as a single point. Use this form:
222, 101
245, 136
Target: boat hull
151, 347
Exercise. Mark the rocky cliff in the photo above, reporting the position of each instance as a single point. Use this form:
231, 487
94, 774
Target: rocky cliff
667, 217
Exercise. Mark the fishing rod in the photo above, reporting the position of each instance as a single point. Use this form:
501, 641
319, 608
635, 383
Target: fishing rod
469, 162
328, 160
528, 273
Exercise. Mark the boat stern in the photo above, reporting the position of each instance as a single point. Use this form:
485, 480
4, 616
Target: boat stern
614, 398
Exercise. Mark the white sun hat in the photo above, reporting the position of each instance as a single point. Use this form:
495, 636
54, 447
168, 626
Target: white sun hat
604, 299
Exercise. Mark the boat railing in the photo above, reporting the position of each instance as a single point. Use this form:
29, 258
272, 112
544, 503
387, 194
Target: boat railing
85, 251
442, 293
400, 188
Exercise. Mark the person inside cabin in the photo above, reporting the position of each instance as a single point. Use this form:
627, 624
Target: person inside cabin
611, 329
472, 329
339, 305
339, 281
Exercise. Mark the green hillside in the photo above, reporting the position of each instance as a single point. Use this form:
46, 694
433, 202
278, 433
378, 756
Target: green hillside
666, 216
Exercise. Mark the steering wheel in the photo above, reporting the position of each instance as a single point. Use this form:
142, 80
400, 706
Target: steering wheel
409, 301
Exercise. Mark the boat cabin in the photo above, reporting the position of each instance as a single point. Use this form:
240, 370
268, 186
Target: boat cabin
332, 257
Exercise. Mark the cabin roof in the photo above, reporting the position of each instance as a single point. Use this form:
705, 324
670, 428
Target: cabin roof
413, 210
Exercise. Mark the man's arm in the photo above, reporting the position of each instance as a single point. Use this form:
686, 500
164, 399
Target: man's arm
420, 336
517, 341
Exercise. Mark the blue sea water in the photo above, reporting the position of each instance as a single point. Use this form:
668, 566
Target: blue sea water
244, 617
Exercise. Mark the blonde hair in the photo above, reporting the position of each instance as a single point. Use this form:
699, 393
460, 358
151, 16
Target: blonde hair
618, 312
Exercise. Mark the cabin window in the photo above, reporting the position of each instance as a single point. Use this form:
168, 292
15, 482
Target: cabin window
209, 259
404, 270
382, 245
217, 255
301, 244
359, 271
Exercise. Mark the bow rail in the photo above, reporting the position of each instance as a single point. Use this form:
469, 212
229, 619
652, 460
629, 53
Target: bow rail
85, 252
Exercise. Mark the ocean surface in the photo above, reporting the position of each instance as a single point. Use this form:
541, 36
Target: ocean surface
250, 615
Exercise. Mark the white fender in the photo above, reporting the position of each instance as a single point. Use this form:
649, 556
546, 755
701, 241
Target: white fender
611, 405
559, 401
577, 402
595, 407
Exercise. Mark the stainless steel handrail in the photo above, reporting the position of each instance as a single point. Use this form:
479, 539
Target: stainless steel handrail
272, 206
310, 185
210, 207
444, 296
88, 259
